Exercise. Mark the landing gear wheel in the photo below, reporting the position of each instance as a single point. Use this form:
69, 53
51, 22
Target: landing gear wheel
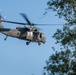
27, 43
43, 42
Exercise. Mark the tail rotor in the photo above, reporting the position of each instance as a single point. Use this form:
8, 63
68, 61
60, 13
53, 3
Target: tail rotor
1, 17
1, 26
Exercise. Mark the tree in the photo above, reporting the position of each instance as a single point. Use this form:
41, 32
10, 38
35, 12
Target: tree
61, 63
66, 36
64, 62
64, 8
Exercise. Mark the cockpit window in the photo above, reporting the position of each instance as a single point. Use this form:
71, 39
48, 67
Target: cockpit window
41, 35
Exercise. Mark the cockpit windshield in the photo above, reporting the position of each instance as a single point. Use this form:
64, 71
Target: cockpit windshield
41, 35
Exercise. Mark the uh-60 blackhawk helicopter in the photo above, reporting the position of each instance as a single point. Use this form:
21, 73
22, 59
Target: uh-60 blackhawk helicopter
30, 34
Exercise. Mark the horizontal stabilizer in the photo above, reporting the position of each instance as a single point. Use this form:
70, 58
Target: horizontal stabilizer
4, 29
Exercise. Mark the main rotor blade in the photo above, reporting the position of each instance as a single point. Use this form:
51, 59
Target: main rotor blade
28, 24
14, 22
47, 24
26, 18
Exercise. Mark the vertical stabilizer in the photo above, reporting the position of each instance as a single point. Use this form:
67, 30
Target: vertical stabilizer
1, 26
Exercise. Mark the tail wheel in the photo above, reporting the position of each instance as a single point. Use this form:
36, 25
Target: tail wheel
39, 43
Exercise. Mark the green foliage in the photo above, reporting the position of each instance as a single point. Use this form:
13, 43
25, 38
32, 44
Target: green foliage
66, 8
66, 36
63, 62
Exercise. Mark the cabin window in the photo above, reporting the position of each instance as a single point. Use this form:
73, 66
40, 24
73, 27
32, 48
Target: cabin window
40, 35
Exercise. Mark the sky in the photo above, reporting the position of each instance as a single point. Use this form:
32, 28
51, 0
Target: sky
16, 58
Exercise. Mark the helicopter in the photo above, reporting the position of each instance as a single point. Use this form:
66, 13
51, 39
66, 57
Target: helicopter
30, 33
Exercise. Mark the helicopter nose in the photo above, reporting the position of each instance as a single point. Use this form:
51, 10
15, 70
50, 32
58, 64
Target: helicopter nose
44, 40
